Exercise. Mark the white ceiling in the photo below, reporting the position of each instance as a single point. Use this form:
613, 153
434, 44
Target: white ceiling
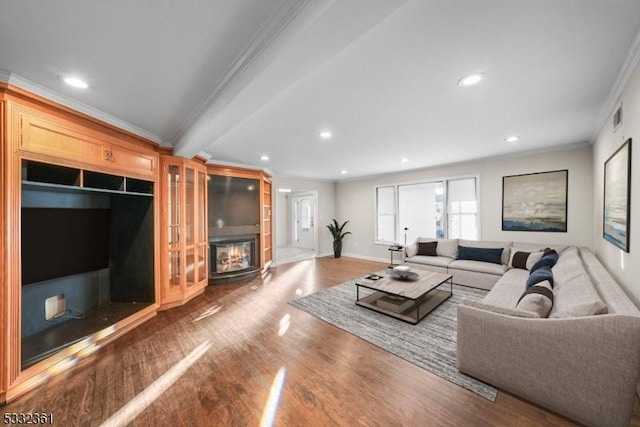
239, 79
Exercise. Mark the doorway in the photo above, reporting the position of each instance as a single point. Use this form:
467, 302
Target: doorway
301, 231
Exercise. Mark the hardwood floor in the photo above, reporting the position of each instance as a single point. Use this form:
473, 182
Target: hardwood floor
215, 361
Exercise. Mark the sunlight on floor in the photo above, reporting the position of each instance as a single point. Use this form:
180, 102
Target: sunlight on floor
285, 322
209, 312
139, 403
271, 407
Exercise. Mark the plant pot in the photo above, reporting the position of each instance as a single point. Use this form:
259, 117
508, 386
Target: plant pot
337, 248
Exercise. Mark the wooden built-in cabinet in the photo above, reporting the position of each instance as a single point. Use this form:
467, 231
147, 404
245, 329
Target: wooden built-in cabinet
265, 225
158, 228
42, 143
183, 230
265, 232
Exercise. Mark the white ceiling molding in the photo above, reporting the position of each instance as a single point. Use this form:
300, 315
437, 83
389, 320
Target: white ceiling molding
22, 83
630, 64
260, 52
214, 162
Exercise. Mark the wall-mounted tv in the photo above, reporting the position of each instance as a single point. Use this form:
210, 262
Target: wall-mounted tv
58, 242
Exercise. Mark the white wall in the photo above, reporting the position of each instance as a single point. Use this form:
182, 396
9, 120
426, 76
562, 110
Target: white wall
624, 267
326, 209
355, 199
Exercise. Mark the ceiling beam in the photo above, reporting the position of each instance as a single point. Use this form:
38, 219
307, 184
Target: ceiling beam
286, 49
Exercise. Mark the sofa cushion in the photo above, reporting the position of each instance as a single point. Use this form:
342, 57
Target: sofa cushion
439, 261
569, 265
427, 248
500, 310
508, 289
524, 260
540, 275
577, 297
487, 244
546, 261
411, 250
446, 247
478, 266
480, 254
537, 299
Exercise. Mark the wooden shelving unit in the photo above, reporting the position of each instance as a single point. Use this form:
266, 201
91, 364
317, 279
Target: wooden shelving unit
183, 230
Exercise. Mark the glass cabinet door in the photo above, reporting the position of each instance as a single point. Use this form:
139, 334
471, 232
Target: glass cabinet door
173, 200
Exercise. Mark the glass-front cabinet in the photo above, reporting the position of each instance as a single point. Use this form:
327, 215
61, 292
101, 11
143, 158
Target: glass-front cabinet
183, 230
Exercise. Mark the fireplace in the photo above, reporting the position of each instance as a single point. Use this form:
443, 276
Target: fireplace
232, 256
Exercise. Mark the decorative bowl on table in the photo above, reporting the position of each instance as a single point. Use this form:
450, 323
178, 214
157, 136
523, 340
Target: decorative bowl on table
403, 272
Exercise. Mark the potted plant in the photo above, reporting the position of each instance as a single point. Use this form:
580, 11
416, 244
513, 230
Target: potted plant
338, 235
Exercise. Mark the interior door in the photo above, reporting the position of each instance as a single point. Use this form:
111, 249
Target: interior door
304, 222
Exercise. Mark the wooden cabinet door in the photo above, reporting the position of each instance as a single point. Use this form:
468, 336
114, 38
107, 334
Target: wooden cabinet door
127, 160
58, 139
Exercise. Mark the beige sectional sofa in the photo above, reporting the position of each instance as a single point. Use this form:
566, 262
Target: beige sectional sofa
583, 361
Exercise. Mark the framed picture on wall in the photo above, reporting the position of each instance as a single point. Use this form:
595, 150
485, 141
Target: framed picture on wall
535, 202
617, 197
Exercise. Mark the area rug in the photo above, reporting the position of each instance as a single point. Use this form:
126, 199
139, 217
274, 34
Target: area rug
431, 344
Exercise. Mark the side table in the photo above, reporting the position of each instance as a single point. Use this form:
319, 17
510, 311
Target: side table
391, 250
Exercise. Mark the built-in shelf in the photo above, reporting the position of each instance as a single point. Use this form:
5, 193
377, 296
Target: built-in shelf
53, 178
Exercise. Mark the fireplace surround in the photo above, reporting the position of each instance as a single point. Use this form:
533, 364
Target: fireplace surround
233, 257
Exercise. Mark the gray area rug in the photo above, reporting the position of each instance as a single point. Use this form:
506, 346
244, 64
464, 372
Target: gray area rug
431, 344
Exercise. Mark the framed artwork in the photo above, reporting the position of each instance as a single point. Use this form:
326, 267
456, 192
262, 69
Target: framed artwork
535, 202
617, 195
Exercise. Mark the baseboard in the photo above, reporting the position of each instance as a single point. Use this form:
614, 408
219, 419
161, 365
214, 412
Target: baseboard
368, 258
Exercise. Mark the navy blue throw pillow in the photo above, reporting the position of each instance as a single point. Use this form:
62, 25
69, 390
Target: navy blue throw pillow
540, 275
480, 254
546, 261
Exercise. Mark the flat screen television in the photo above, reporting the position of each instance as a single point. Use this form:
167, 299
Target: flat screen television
58, 242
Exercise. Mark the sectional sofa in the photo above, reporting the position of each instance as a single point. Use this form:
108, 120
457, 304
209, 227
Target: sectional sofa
574, 350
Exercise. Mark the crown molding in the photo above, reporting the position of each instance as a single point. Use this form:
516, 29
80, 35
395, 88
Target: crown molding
628, 67
22, 83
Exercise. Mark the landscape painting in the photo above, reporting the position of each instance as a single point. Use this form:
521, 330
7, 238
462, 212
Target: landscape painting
616, 215
535, 202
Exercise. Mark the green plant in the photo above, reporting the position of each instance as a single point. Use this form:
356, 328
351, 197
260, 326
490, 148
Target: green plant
336, 230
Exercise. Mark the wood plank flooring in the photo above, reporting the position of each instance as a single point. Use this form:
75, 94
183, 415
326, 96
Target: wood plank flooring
219, 360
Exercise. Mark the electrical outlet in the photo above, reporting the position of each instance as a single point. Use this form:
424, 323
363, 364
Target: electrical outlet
55, 306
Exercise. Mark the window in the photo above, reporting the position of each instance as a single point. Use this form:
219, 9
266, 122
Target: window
386, 214
462, 209
408, 211
420, 210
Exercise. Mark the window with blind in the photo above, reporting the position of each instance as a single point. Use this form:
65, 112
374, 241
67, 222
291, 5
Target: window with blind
386, 214
462, 209
405, 212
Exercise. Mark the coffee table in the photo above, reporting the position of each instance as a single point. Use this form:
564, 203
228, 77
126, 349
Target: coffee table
409, 301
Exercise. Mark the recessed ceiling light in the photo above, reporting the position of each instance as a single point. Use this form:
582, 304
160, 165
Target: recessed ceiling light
470, 80
512, 138
76, 82
325, 134
343, 172
264, 157
284, 190
404, 160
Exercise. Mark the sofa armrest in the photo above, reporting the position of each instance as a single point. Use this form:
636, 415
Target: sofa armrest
409, 250
585, 368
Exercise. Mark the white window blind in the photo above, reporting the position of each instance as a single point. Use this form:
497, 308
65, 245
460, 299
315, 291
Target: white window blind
462, 209
386, 214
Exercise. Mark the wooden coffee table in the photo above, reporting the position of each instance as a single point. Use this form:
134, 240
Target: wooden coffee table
410, 301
